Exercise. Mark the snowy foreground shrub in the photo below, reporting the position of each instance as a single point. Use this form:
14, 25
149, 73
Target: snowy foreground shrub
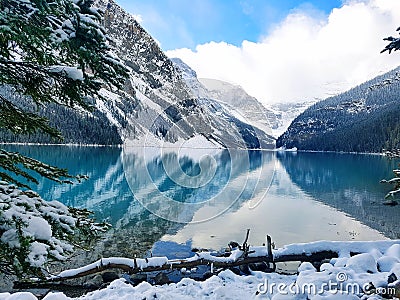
34, 232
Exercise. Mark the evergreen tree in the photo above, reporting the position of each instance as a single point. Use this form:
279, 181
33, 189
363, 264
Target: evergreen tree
395, 182
51, 52
394, 43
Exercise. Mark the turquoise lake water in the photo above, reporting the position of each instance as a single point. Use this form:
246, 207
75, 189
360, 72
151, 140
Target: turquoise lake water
168, 201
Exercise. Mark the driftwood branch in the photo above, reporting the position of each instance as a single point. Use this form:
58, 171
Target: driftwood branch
245, 246
251, 256
217, 262
101, 266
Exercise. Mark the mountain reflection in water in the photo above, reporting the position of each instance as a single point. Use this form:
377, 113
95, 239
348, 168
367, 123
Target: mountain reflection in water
208, 198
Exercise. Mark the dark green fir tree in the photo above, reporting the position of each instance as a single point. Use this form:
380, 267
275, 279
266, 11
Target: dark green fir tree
51, 52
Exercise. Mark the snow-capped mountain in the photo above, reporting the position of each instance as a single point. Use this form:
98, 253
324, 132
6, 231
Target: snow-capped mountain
363, 119
273, 119
156, 100
233, 98
238, 101
276, 117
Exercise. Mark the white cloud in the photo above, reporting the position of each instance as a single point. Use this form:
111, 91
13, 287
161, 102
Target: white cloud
305, 56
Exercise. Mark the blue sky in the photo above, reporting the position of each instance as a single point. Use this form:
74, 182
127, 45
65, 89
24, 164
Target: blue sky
187, 23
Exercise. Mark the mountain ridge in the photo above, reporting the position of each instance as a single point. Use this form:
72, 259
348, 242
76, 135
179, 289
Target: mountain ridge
273, 119
364, 119
155, 100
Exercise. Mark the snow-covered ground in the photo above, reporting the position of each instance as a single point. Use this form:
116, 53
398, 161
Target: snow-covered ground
370, 275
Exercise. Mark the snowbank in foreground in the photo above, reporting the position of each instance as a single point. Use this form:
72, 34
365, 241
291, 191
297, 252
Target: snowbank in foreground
369, 275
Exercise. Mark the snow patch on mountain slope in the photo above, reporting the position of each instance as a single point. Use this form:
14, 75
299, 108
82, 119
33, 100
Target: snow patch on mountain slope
286, 113
272, 119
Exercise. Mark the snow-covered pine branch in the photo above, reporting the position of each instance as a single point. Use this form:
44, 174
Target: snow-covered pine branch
20, 165
34, 231
56, 51
394, 44
51, 51
394, 181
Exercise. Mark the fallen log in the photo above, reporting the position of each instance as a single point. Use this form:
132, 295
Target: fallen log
242, 255
133, 266
246, 255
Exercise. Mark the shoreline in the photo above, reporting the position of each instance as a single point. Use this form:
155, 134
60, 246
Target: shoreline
183, 147
66, 145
